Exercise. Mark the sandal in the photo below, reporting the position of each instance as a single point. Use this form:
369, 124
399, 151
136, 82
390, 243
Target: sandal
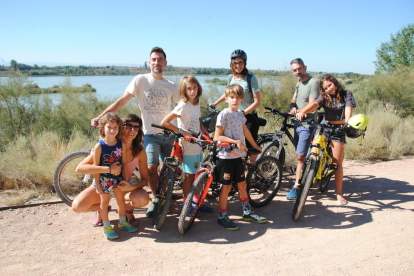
133, 221
96, 222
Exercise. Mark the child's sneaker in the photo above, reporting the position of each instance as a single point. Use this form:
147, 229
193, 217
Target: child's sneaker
205, 209
110, 233
227, 223
128, 227
150, 210
292, 194
254, 217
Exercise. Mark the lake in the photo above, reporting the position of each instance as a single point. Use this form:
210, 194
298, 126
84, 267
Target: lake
110, 87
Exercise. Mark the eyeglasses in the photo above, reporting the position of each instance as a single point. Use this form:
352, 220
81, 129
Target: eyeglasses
132, 127
238, 63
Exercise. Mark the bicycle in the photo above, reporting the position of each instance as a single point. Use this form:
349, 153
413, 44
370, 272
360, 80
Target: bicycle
273, 143
319, 166
263, 182
167, 179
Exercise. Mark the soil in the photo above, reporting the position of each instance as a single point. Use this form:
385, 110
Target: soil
372, 235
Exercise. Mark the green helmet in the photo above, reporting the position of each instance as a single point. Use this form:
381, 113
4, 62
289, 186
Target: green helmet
356, 126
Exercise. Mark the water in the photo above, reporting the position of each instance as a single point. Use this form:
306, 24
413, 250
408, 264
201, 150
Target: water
111, 87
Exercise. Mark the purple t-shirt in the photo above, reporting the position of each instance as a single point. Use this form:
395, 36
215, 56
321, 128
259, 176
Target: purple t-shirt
337, 111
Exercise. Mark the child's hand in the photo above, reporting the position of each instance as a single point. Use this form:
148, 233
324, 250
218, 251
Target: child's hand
186, 135
116, 168
258, 148
241, 146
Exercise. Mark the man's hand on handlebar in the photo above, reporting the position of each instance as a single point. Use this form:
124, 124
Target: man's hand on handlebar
300, 116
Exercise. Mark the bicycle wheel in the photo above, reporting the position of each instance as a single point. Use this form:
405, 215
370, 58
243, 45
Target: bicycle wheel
68, 184
163, 196
324, 181
272, 148
263, 180
186, 220
307, 180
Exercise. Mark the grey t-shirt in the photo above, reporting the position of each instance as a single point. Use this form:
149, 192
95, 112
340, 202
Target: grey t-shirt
306, 90
337, 111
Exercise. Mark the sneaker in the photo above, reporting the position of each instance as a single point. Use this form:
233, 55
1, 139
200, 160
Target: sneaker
205, 209
191, 210
254, 217
150, 210
110, 233
128, 227
292, 194
227, 223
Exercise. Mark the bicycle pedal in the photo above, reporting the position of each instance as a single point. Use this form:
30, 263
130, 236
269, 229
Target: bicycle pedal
334, 167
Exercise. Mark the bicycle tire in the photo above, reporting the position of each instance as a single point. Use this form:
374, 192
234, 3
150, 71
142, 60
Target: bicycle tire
271, 150
307, 181
263, 183
200, 184
67, 183
163, 196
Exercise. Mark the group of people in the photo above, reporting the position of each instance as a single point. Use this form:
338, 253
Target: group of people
131, 142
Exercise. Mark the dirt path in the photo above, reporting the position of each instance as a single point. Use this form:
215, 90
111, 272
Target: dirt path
372, 235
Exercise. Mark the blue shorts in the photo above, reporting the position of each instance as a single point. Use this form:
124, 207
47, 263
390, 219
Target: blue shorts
191, 163
157, 147
302, 139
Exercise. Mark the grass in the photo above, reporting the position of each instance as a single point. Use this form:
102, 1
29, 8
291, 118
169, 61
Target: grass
29, 157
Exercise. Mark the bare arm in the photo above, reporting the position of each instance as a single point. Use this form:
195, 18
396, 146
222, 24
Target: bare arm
86, 166
293, 110
254, 105
348, 113
114, 107
96, 160
249, 138
166, 122
311, 106
218, 136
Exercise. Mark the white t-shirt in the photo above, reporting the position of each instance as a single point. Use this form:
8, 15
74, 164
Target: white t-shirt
232, 123
155, 99
190, 119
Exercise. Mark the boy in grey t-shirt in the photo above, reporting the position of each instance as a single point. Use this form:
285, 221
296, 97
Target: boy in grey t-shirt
231, 128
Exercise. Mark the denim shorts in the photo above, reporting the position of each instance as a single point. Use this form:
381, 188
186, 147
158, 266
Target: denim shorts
191, 163
340, 138
302, 139
157, 147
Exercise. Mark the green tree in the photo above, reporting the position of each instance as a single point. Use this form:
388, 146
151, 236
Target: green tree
399, 51
145, 65
13, 64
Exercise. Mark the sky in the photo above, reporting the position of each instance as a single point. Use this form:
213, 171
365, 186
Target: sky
330, 36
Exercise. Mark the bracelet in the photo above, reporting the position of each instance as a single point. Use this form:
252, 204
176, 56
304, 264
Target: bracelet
110, 169
179, 130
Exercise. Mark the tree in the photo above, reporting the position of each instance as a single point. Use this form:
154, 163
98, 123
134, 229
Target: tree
398, 52
13, 64
145, 65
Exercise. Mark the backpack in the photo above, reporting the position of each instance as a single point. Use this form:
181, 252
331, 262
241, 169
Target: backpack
249, 80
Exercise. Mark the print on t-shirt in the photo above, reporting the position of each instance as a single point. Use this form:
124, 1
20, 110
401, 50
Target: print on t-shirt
156, 101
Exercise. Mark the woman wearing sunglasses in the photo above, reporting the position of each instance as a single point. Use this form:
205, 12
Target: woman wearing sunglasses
89, 200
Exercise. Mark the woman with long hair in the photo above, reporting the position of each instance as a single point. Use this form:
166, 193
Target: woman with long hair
135, 156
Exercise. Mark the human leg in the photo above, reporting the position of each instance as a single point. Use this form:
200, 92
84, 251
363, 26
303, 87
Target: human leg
252, 125
137, 198
302, 139
338, 150
88, 200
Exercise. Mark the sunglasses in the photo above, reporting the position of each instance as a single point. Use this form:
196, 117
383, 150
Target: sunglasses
131, 127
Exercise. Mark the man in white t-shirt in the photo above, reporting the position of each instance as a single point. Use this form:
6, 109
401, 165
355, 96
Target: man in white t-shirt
155, 96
